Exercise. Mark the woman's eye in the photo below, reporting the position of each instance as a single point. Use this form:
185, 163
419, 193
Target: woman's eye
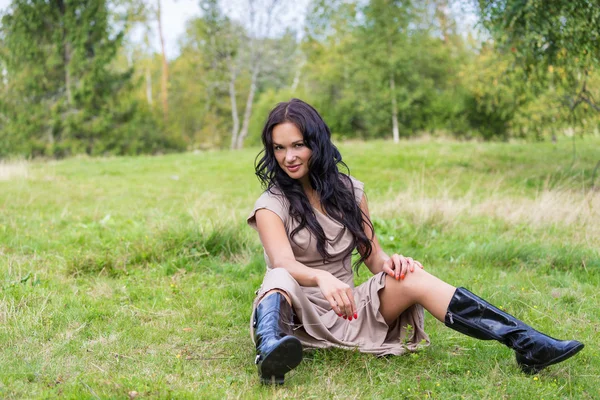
299, 144
278, 147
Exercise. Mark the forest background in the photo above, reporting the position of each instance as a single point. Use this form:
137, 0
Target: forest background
75, 78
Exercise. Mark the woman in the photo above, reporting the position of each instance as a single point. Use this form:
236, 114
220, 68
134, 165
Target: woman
310, 219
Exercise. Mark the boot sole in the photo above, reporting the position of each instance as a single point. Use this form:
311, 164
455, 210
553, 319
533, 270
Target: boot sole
285, 357
534, 369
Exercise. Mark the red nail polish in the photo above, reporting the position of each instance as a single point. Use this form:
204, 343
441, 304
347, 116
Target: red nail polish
355, 316
350, 318
345, 317
401, 276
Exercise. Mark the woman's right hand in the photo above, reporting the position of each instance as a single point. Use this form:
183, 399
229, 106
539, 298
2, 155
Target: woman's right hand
338, 294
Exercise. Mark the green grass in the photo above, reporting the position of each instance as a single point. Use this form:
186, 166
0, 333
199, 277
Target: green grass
138, 274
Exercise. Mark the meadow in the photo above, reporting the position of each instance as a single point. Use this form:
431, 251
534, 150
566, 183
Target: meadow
133, 277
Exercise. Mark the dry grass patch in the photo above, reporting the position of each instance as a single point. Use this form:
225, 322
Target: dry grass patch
579, 211
549, 208
13, 170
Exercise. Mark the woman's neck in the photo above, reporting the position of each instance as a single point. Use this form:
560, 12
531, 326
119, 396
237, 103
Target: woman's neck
313, 198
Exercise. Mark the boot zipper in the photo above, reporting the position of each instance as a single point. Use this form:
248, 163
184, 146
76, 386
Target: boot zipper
465, 321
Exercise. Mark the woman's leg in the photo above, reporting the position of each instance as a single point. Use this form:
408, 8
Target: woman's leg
273, 291
418, 287
469, 314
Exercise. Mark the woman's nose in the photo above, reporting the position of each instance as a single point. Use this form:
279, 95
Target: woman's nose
290, 155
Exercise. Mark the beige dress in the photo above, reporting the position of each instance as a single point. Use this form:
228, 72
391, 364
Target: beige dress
317, 325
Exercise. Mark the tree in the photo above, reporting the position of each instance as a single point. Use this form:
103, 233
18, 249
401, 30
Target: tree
556, 41
63, 96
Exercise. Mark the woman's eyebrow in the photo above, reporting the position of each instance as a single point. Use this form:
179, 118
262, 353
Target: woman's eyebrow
297, 141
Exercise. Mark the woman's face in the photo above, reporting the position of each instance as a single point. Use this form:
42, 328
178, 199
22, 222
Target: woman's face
291, 152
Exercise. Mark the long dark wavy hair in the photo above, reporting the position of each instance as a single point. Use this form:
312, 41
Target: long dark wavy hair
334, 188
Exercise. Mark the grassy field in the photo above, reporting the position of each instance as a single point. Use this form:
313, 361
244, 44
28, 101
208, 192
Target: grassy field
134, 277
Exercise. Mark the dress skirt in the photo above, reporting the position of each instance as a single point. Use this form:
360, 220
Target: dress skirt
318, 326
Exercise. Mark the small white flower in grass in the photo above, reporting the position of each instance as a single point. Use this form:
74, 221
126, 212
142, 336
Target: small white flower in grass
391, 238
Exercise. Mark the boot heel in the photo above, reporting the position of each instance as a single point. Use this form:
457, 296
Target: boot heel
272, 380
278, 351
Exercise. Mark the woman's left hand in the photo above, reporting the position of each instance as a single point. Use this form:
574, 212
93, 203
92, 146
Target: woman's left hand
397, 266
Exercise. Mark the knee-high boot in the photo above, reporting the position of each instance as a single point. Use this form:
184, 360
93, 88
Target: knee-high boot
475, 317
277, 350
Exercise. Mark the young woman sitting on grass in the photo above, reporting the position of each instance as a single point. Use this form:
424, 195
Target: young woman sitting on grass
310, 219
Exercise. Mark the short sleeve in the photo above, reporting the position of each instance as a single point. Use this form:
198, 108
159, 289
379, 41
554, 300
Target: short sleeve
359, 189
273, 201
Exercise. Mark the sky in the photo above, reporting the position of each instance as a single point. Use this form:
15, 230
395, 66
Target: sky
175, 14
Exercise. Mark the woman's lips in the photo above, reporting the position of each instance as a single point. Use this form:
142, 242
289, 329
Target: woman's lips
293, 168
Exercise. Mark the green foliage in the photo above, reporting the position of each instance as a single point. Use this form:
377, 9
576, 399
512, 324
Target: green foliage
555, 47
74, 81
62, 94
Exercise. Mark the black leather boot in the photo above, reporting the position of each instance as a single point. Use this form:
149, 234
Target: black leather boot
277, 350
477, 318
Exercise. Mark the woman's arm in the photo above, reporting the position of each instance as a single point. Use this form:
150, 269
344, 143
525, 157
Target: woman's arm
279, 250
395, 266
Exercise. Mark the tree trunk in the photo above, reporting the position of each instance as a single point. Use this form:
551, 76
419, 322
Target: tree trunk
395, 130
67, 52
234, 112
441, 10
165, 67
248, 112
296, 81
148, 85
68, 81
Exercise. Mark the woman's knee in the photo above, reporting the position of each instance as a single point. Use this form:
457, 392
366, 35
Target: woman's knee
273, 291
279, 275
413, 285
279, 280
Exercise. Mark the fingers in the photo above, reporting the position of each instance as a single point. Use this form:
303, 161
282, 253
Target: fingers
343, 304
335, 305
404, 267
353, 303
400, 266
388, 267
396, 260
350, 304
411, 264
